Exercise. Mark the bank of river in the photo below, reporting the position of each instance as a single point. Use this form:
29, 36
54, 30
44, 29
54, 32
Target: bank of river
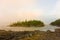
47, 27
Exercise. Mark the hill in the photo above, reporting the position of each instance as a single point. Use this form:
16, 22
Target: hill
56, 23
30, 23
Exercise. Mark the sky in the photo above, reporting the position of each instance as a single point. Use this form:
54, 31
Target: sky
18, 10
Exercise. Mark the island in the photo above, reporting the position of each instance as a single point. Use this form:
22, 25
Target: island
30, 23
56, 23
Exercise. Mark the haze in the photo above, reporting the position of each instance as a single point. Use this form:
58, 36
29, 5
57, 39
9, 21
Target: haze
16, 10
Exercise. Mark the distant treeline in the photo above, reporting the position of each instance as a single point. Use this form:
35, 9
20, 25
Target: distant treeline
30, 23
33, 23
56, 23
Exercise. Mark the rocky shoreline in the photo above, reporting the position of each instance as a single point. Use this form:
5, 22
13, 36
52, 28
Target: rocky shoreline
30, 35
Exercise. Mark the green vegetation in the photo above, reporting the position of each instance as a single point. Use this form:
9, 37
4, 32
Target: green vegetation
30, 23
56, 23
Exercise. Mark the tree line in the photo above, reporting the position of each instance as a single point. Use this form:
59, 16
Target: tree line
34, 23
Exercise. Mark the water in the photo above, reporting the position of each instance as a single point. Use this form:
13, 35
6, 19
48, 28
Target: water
47, 27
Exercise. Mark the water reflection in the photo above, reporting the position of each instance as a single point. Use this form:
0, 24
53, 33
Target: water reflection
47, 27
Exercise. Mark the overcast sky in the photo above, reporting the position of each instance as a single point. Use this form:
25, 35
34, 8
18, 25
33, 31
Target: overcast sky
16, 10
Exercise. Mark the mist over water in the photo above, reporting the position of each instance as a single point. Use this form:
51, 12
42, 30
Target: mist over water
17, 10
45, 28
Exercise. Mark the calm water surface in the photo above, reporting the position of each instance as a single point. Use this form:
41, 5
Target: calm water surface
47, 27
